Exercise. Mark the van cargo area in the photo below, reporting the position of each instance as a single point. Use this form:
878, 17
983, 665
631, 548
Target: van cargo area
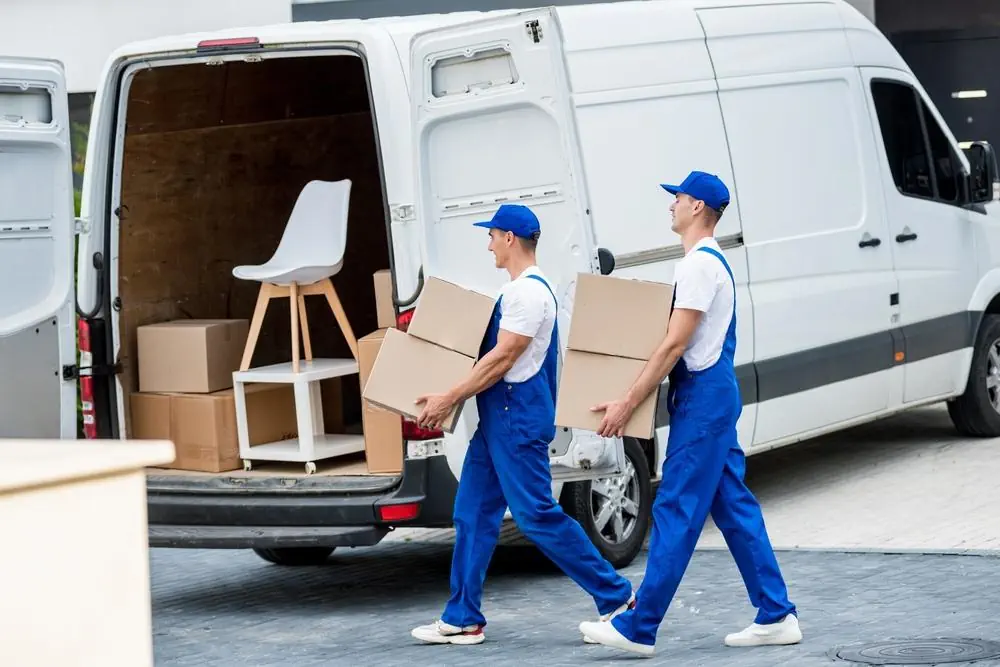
214, 157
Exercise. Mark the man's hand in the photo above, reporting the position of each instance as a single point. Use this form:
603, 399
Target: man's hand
436, 409
616, 415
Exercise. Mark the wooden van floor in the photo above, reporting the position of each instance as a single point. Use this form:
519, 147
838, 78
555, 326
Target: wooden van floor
343, 466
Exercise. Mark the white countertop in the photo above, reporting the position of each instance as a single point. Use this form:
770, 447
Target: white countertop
32, 463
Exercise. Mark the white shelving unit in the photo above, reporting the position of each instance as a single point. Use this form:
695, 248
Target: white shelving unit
313, 443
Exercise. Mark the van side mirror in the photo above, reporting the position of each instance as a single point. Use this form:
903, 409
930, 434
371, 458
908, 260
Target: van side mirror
606, 260
983, 172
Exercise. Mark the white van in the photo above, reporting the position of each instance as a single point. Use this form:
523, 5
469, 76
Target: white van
863, 238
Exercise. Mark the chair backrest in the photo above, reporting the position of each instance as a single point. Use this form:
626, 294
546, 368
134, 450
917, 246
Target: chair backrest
316, 232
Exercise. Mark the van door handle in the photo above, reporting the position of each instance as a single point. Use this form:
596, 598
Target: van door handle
903, 238
870, 243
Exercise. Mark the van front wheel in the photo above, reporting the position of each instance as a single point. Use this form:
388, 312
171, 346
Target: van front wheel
977, 412
614, 511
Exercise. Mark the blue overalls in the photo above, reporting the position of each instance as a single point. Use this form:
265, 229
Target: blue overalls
703, 473
508, 463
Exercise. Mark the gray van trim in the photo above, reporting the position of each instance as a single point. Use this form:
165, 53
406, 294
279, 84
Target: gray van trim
667, 253
819, 366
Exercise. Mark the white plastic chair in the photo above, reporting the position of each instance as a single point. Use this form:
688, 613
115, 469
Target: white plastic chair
310, 252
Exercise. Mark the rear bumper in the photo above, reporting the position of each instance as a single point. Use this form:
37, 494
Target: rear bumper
206, 515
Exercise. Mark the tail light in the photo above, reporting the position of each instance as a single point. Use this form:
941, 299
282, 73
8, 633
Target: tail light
401, 512
86, 382
411, 431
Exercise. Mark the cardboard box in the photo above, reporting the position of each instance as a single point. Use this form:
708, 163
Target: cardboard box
617, 324
589, 379
384, 308
407, 367
383, 430
451, 317
619, 316
190, 356
203, 426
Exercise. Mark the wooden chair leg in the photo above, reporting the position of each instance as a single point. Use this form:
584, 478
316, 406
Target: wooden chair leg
293, 303
304, 323
338, 312
263, 298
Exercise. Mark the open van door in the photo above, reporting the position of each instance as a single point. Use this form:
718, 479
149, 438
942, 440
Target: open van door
493, 123
37, 230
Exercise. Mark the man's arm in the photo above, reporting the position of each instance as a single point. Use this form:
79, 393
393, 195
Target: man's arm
487, 372
683, 323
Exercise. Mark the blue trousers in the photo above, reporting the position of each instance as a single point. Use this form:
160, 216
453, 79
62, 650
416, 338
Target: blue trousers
704, 473
499, 472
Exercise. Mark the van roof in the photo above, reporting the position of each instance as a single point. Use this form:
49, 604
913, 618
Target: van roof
403, 27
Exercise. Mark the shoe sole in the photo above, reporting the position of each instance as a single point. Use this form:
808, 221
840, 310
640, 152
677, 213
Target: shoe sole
766, 642
457, 640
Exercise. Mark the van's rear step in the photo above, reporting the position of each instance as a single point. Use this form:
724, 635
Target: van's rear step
264, 537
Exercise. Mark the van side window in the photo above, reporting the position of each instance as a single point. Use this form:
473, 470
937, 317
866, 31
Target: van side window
903, 136
914, 142
946, 165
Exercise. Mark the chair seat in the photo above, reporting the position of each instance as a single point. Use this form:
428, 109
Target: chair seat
285, 275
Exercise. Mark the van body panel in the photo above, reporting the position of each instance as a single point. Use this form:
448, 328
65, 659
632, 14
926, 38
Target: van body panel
37, 234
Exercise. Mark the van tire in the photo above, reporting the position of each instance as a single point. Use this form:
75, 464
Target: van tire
973, 413
296, 556
577, 502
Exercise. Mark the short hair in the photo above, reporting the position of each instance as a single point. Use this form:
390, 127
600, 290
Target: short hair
530, 243
715, 214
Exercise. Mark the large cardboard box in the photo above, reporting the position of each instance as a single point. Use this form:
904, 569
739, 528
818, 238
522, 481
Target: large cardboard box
383, 430
384, 309
451, 317
190, 356
436, 352
590, 379
203, 426
617, 324
407, 367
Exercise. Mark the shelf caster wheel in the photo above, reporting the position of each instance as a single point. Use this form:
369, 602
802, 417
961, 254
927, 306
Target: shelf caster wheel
310, 468
247, 465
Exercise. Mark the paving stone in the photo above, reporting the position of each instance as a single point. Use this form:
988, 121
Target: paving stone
215, 608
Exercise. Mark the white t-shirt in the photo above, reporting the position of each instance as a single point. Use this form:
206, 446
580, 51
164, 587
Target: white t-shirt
702, 283
527, 308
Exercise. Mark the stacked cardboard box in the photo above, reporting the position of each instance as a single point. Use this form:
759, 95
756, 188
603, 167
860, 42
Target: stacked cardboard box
435, 353
617, 325
185, 394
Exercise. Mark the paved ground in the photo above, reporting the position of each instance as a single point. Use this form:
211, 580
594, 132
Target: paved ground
904, 484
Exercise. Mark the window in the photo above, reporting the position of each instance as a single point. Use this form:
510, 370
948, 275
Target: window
914, 142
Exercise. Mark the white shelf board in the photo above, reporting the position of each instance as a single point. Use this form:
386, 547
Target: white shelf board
309, 371
328, 446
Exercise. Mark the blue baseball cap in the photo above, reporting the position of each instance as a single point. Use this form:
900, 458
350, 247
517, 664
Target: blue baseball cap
514, 218
708, 188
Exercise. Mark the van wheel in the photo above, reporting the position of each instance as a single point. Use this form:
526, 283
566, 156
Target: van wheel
977, 411
614, 511
295, 556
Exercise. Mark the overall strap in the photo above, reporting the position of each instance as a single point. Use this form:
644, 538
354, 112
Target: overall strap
542, 281
713, 251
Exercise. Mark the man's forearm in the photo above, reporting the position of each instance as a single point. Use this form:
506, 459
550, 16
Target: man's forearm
484, 375
654, 373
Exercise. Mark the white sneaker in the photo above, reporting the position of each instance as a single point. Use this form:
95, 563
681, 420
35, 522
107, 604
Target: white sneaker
603, 632
607, 617
440, 632
784, 632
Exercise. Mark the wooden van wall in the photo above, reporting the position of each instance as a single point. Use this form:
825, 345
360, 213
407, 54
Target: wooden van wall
215, 158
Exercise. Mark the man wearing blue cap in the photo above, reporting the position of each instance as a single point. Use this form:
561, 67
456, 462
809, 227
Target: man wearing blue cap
703, 472
507, 463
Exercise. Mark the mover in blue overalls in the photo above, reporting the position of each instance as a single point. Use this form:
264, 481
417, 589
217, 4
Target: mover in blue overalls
704, 468
507, 463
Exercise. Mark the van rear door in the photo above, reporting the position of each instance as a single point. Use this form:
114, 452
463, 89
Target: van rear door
37, 308
493, 124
